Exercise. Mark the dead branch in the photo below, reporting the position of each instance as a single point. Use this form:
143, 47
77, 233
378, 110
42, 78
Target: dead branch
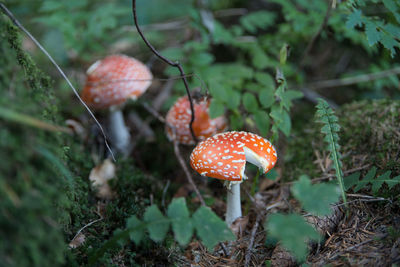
355, 79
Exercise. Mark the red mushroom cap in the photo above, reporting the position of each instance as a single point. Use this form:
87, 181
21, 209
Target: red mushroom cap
179, 117
113, 80
223, 156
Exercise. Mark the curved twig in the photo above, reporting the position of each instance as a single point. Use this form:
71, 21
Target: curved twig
169, 62
22, 28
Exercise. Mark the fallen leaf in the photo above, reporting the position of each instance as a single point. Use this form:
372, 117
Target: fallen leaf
239, 225
77, 241
77, 128
99, 176
267, 183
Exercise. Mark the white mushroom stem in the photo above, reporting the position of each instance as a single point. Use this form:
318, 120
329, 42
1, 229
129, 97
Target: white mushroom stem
119, 133
233, 208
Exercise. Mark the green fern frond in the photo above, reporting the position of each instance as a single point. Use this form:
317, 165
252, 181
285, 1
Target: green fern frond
330, 129
370, 178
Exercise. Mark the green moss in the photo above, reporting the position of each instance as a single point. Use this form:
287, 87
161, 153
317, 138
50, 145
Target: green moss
369, 135
33, 192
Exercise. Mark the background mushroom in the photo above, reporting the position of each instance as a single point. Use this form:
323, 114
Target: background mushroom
110, 82
223, 156
179, 117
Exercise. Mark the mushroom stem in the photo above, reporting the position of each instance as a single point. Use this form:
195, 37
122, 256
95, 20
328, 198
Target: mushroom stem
233, 209
119, 133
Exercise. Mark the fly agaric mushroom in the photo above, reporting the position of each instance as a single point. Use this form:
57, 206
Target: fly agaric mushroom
223, 156
179, 117
110, 82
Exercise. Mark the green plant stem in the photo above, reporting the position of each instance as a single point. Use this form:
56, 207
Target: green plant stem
253, 191
11, 115
255, 183
335, 157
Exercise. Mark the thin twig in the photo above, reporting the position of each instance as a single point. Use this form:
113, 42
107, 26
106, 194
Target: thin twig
174, 64
355, 79
19, 25
317, 34
187, 173
177, 151
334, 175
251, 242
86, 226
313, 96
164, 193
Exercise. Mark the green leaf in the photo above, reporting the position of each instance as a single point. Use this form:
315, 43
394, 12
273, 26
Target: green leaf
377, 183
201, 59
390, 43
216, 108
351, 180
210, 228
234, 99
373, 35
250, 102
218, 91
283, 53
355, 18
281, 119
182, 225
158, 225
272, 175
370, 175
135, 229
394, 181
261, 119
267, 97
257, 20
173, 53
265, 79
292, 231
288, 96
317, 198
235, 121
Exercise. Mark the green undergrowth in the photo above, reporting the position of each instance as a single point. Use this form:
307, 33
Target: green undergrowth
368, 136
45, 195
35, 186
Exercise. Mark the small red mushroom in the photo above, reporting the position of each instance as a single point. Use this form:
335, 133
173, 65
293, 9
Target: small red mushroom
110, 82
179, 117
223, 156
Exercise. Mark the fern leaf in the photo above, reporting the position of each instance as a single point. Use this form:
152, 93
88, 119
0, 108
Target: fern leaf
330, 130
376, 183
368, 178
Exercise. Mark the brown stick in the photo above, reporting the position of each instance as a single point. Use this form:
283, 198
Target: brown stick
174, 64
251, 242
354, 80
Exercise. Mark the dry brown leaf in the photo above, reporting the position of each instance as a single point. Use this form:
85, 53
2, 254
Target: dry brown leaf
77, 241
267, 183
77, 128
239, 225
99, 176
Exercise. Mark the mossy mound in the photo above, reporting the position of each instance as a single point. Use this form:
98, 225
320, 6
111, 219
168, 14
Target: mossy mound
45, 193
370, 135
